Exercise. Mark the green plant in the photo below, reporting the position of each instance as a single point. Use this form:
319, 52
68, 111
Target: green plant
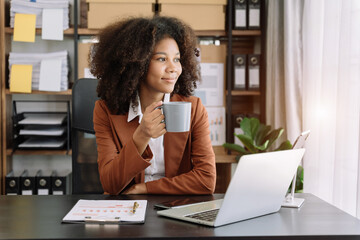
258, 138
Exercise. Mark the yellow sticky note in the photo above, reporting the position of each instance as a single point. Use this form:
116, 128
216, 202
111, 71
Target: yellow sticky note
24, 27
20, 78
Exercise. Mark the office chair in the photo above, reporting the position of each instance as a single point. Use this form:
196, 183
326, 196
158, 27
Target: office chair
84, 152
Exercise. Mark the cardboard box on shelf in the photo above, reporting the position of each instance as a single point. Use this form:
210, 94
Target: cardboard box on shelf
83, 63
199, 14
103, 12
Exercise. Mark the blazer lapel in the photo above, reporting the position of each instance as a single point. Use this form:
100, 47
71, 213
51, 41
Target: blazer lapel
124, 130
174, 146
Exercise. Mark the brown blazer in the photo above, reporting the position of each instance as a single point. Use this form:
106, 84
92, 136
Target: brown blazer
189, 157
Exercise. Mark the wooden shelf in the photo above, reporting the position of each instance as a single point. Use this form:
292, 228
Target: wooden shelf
67, 92
69, 31
221, 155
199, 33
244, 93
86, 31
9, 152
246, 33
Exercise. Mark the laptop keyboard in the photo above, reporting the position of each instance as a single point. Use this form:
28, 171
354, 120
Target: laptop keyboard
205, 216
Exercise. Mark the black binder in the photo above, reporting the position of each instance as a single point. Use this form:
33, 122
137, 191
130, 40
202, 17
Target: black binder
239, 71
61, 183
240, 14
43, 182
27, 183
254, 14
253, 72
12, 183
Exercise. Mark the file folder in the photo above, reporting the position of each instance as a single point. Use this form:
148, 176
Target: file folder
27, 182
12, 183
239, 66
254, 14
254, 72
43, 182
61, 183
240, 14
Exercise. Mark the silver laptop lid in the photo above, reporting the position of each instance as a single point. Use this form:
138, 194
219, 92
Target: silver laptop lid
259, 185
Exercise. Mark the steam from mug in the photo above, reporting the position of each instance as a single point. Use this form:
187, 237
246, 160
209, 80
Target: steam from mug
177, 116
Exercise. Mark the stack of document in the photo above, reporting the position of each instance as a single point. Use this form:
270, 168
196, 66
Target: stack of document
36, 7
49, 70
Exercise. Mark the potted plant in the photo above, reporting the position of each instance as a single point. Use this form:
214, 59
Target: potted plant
258, 138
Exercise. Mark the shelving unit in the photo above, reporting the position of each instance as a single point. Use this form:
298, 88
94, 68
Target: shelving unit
237, 101
7, 153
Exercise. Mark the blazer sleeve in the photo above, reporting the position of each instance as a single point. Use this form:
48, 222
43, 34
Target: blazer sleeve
118, 162
201, 179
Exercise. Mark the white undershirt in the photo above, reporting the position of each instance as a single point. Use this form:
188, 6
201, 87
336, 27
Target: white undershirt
157, 168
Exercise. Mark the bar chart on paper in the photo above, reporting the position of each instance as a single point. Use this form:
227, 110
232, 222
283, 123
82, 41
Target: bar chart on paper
107, 211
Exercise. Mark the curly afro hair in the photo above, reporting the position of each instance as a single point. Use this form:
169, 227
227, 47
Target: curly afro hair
121, 58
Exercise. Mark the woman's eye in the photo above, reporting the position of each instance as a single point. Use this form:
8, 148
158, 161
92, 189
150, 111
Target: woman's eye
161, 59
177, 60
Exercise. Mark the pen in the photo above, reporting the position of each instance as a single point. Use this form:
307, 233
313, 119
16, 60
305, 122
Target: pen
136, 205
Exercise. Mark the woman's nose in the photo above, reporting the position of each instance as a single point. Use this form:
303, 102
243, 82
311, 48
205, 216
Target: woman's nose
172, 67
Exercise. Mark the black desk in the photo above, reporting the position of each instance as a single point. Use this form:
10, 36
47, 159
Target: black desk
39, 217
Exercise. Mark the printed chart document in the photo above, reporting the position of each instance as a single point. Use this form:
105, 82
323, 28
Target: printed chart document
107, 212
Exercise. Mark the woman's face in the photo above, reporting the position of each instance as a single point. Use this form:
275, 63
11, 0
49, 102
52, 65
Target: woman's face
164, 68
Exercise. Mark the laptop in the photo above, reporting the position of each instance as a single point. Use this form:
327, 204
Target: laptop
257, 188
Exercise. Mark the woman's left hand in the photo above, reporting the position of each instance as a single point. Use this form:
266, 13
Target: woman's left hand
139, 188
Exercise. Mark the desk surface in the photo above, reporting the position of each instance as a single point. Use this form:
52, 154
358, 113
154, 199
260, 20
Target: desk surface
39, 217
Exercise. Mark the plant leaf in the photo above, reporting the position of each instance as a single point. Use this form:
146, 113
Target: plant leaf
262, 147
248, 143
262, 132
273, 135
284, 146
250, 126
235, 147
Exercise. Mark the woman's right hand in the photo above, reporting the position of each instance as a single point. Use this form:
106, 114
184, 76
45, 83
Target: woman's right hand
151, 126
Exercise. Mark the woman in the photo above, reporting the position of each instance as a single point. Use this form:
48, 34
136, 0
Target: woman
142, 63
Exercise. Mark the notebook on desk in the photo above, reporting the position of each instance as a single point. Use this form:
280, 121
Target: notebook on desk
257, 188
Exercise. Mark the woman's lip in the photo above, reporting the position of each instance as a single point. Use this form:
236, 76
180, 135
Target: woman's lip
169, 79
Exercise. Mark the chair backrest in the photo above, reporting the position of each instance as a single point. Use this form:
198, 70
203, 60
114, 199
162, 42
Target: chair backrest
84, 97
84, 154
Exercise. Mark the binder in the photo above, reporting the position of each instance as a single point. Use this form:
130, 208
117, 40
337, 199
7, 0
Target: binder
61, 183
43, 183
240, 14
254, 14
239, 66
27, 183
12, 183
253, 72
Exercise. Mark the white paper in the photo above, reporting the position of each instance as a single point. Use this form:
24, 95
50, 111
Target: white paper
211, 89
41, 131
43, 119
240, 18
50, 75
107, 210
42, 142
254, 17
240, 77
87, 73
216, 117
36, 7
52, 24
254, 77
236, 140
35, 59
